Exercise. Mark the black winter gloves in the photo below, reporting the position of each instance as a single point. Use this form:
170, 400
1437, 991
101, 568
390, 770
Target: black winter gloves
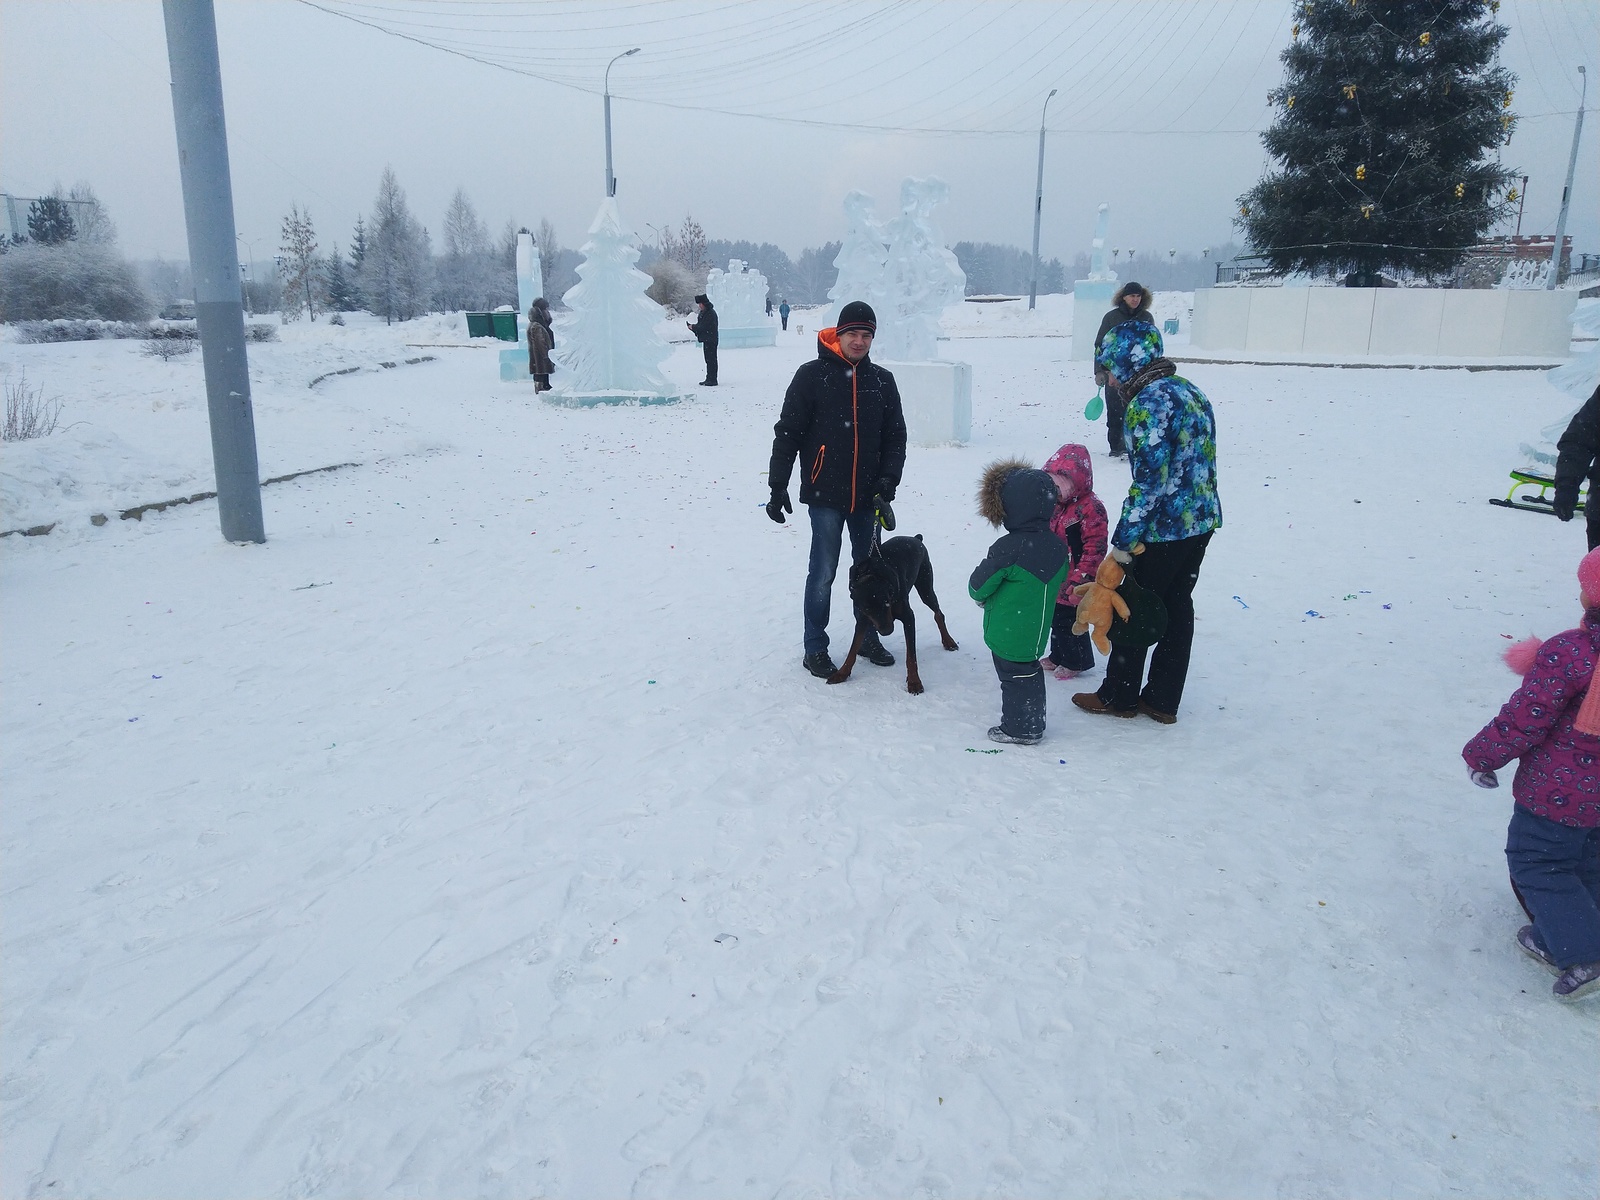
885, 489
779, 504
1563, 507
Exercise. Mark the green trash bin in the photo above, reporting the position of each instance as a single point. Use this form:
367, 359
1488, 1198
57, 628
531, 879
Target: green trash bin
480, 325
505, 325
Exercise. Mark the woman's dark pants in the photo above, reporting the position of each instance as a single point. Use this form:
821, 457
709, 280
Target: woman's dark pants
1170, 570
1116, 415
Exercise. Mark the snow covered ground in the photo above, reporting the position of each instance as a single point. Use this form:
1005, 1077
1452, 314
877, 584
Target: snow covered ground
481, 835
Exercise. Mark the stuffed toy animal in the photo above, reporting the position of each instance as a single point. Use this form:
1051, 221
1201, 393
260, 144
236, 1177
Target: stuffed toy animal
1099, 604
1121, 612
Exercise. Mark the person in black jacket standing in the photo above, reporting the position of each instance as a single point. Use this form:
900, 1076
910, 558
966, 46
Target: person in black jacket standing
1131, 303
841, 417
706, 330
1579, 460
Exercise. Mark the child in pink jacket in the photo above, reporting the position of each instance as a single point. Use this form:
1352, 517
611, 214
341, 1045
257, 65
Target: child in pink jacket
1079, 521
1551, 726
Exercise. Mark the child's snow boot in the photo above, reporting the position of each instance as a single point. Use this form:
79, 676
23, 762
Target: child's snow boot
1528, 942
1577, 982
996, 734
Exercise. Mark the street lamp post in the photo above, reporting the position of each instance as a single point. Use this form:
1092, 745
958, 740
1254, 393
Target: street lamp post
1566, 192
250, 249
611, 180
1038, 205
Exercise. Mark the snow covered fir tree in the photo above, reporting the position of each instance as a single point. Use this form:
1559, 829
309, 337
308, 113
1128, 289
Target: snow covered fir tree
1387, 128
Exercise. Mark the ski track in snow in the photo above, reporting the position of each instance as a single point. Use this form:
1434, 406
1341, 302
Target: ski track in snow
417, 883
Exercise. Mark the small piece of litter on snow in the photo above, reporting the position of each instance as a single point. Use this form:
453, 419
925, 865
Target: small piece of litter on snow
158, 677
1351, 596
1242, 604
1062, 761
1388, 606
725, 939
1311, 612
131, 720
309, 586
1322, 904
975, 750
649, 680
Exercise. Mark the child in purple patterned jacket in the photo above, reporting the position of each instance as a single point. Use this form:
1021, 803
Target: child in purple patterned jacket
1552, 725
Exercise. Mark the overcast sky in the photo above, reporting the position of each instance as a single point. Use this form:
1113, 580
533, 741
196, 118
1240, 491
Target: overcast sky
757, 118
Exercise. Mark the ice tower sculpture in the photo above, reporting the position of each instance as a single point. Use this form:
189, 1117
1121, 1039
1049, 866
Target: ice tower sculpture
1098, 271
920, 280
740, 297
530, 286
606, 342
1091, 297
860, 260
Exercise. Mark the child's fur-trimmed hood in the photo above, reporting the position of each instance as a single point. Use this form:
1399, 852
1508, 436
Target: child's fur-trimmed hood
994, 476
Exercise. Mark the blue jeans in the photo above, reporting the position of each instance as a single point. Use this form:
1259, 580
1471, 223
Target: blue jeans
1557, 872
827, 536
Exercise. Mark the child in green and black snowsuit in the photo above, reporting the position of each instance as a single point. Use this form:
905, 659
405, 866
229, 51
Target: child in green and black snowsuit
1017, 586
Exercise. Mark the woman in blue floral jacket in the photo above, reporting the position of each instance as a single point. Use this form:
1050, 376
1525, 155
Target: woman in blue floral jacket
1171, 508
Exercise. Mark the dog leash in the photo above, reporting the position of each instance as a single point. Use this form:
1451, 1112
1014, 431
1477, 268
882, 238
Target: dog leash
880, 522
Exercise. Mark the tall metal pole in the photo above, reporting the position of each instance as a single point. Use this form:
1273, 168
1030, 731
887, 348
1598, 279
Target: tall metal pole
1566, 192
1038, 206
214, 261
611, 180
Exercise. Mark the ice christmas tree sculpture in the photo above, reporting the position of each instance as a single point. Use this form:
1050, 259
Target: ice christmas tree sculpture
920, 277
606, 343
1385, 135
860, 259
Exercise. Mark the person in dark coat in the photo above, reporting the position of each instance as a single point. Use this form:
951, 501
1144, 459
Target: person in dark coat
706, 330
842, 419
783, 314
541, 340
1579, 462
1131, 303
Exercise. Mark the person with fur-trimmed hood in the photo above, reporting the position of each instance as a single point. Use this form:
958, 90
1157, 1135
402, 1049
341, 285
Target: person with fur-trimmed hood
842, 419
1170, 512
1131, 303
1017, 585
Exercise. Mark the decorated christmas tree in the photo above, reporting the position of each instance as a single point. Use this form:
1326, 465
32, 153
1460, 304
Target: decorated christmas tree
1389, 120
607, 340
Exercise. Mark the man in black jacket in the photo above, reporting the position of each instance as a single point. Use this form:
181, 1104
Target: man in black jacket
706, 330
1131, 303
1579, 460
842, 418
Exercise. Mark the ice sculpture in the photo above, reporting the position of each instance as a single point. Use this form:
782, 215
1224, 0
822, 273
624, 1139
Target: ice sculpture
860, 260
530, 274
740, 297
921, 278
1098, 271
740, 294
606, 341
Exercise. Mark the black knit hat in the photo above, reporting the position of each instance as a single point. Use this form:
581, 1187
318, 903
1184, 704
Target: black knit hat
857, 314
702, 298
